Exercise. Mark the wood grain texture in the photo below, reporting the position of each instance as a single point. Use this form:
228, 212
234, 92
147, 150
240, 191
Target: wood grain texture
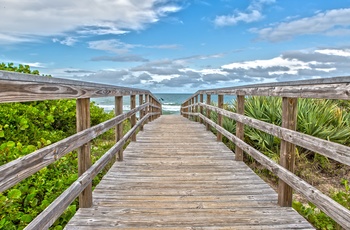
47, 217
133, 117
333, 209
338, 152
23, 167
119, 127
287, 151
177, 176
221, 106
84, 156
327, 88
239, 126
208, 110
142, 112
18, 87
200, 107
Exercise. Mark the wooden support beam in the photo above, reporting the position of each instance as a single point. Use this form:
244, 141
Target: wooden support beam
84, 156
219, 122
142, 112
133, 117
287, 155
119, 128
208, 110
239, 127
201, 108
186, 109
196, 107
147, 108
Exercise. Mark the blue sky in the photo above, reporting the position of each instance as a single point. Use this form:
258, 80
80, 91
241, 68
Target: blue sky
178, 46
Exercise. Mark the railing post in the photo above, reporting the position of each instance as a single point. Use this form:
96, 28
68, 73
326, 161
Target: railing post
119, 128
196, 107
147, 108
186, 109
84, 157
201, 107
133, 117
208, 110
141, 111
161, 109
239, 127
287, 155
220, 105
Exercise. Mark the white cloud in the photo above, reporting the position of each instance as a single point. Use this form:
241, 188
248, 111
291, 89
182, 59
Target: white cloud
8, 39
68, 41
252, 14
116, 46
293, 65
22, 18
178, 75
335, 52
332, 22
229, 20
111, 45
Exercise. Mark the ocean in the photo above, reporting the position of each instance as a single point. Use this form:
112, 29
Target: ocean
171, 102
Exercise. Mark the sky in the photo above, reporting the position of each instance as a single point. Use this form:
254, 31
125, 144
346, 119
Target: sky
178, 46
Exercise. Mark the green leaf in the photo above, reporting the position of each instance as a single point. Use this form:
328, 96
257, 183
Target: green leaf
2, 223
11, 144
26, 218
2, 134
14, 194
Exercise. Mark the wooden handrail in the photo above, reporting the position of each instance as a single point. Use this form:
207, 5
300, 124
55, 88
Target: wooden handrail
16, 87
335, 151
331, 88
17, 170
323, 202
47, 217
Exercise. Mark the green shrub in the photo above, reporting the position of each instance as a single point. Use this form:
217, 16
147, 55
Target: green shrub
26, 127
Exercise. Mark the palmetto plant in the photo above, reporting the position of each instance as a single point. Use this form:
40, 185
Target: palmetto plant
325, 119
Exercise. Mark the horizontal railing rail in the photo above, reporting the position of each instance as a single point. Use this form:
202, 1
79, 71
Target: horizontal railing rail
331, 88
16, 87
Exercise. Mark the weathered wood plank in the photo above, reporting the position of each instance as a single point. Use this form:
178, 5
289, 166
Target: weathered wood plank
327, 88
201, 108
239, 127
119, 128
208, 110
287, 151
84, 157
333, 209
23, 167
18, 87
133, 117
47, 217
171, 179
142, 112
221, 106
338, 152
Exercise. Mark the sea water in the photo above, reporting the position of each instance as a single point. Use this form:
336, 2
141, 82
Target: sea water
171, 102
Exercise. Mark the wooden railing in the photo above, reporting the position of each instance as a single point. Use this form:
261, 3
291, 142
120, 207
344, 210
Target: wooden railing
15, 87
331, 88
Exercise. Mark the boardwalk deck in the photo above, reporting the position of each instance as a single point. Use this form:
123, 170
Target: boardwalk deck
177, 176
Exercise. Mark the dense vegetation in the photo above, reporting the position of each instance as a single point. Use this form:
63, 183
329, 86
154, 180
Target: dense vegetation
325, 119
25, 127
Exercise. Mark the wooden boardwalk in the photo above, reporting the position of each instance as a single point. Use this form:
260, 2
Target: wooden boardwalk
177, 176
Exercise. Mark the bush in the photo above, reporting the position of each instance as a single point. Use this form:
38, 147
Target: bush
26, 127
